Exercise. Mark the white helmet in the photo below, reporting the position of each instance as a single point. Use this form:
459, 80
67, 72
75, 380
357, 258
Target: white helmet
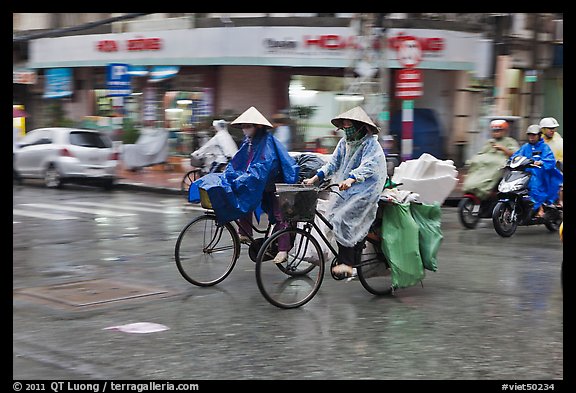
549, 122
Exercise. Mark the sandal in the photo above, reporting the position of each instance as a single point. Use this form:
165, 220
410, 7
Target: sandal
281, 257
343, 269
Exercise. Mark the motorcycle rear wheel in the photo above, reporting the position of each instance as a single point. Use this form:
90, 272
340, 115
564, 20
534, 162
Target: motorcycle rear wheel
468, 213
502, 219
553, 226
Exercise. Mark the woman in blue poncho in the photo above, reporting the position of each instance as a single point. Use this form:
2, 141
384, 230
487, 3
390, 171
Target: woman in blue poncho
358, 165
546, 179
247, 183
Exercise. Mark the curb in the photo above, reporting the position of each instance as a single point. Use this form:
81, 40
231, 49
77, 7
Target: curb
143, 187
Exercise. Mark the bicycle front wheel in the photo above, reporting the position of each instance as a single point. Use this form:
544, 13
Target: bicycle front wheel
296, 281
205, 251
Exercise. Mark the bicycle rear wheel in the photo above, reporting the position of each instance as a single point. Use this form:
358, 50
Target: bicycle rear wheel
205, 251
373, 271
296, 281
189, 178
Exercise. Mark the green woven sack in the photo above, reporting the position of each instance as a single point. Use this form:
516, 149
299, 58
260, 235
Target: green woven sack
400, 244
428, 218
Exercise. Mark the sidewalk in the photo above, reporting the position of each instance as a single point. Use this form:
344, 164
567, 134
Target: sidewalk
166, 178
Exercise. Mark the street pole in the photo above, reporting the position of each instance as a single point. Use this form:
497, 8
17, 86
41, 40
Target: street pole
407, 129
384, 116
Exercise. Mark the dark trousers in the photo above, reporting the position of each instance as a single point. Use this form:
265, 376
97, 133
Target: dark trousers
349, 255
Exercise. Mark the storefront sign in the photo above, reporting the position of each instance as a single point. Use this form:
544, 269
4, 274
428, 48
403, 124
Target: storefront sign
24, 77
330, 41
295, 46
58, 83
118, 80
427, 44
131, 45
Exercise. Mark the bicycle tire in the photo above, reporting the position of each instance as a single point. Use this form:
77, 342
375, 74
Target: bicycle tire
285, 290
379, 284
374, 271
188, 178
198, 259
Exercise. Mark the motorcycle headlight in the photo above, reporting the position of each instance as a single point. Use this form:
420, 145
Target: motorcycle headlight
511, 186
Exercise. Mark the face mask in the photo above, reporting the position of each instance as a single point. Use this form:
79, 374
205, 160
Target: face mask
350, 132
249, 131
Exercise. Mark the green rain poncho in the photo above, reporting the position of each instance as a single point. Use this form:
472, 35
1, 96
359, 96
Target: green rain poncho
485, 168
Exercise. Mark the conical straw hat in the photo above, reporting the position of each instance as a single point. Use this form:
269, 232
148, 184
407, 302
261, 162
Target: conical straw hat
358, 114
251, 116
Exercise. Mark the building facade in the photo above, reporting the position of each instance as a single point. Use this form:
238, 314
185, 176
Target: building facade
184, 68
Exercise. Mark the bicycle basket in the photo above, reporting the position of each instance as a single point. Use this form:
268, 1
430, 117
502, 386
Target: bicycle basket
297, 201
204, 199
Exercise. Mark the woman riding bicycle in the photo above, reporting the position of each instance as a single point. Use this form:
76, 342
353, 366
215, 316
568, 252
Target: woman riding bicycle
247, 184
358, 165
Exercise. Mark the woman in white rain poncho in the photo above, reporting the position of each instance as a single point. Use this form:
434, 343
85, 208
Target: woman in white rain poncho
358, 165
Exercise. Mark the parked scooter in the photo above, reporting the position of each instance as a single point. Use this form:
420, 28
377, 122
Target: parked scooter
515, 207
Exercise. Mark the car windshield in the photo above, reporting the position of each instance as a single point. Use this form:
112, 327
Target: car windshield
89, 139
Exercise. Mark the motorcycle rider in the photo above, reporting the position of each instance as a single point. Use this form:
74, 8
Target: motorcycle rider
548, 126
546, 178
484, 169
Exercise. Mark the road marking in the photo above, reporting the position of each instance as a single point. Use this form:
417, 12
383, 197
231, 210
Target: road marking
47, 216
167, 209
136, 208
78, 209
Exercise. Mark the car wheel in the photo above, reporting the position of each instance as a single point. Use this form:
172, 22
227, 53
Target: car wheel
52, 178
108, 184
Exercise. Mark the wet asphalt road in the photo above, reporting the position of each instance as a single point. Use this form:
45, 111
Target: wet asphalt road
492, 311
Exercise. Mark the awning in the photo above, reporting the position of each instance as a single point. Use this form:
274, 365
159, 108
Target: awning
138, 70
160, 73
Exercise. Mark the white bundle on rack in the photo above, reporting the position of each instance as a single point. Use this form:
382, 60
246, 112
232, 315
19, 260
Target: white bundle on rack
431, 178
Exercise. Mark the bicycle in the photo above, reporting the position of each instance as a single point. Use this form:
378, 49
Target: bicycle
372, 267
206, 251
194, 174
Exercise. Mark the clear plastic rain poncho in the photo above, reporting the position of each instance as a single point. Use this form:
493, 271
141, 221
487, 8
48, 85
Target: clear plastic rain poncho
353, 214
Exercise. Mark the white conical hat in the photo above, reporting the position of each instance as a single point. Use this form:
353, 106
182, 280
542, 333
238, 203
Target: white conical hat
251, 116
358, 114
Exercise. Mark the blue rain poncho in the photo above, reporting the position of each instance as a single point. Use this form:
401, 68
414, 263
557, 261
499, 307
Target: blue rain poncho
247, 183
353, 214
545, 181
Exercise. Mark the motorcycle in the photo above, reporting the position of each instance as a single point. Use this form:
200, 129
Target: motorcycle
514, 206
471, 208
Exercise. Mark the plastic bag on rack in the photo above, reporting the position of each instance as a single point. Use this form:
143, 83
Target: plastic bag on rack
401, 244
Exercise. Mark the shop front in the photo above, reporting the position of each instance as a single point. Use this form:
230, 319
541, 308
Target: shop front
304, 71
